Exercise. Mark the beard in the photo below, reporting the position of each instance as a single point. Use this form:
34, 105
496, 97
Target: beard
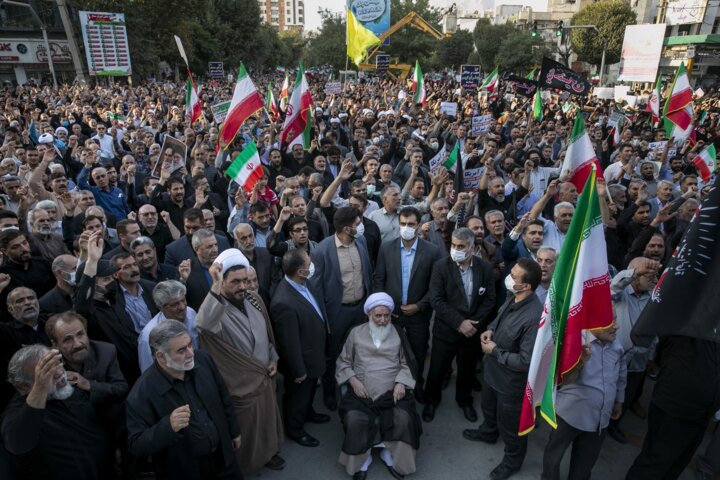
181, 366
499, 198
62, 393
379, 334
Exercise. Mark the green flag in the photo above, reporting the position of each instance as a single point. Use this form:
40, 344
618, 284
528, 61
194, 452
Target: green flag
538, 106
453, 158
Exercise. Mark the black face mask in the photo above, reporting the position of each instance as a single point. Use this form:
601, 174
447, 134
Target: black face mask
108, 292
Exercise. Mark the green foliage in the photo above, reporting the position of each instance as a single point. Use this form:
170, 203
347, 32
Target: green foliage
409, 44
328, 45
488, 39
611, 17
519, 51
455, 50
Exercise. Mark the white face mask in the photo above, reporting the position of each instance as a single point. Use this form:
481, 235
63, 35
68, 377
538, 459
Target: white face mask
371, 189
360, 230
407, 233
434, 145
311, 271
510, 283
457, 256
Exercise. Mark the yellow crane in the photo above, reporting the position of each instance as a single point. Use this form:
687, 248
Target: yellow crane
414, 20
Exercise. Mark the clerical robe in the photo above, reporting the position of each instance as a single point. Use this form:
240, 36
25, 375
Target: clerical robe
378, 419
242, 345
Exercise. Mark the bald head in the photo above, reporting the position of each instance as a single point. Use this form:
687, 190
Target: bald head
245, 238
23, 305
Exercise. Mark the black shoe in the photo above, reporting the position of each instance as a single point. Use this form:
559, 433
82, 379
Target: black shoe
502, 471
360, 475
428, 413
306, 440
330, 402
276, 463
617, 434
470, 413
394, 473
318, 418
476, 435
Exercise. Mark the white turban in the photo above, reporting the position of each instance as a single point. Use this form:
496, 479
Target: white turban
343, 115
230, 258
379, 299
61, 129
46, 138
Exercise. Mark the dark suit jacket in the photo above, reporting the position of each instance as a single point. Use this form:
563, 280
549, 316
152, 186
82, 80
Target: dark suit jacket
149, 405
101, 368
147, 288
181, 249
197, 285
300, 331
111, 253
327, 280
263, 262
388, 275
447, 295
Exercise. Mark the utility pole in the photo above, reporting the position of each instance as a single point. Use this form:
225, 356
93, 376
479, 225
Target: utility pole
604, 44
74, 52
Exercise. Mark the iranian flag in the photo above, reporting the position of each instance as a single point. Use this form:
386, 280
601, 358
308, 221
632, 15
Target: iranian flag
578, 299
678, 109
246, 169
537, 105
296, 128
193, 107
491, 81
245, 102
418, 85
654, 103
284, 93
451, 161
616, 131
270, 104
706, 162
580, 157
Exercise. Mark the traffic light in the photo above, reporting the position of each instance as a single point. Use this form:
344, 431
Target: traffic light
534, 32
559, 30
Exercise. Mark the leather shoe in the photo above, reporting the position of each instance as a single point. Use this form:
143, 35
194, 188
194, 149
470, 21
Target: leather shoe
617, 434
330, 402
394, 473
501, 472
428, 413
360, 475
476, 435
306, 440
470, 413
318, 418
276, 463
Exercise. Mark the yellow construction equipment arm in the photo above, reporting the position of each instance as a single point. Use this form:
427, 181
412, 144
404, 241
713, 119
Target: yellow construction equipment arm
412, 19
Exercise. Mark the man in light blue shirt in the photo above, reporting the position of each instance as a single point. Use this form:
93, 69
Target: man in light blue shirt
169, 296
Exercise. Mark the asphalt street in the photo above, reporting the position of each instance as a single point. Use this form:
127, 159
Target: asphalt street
445, 455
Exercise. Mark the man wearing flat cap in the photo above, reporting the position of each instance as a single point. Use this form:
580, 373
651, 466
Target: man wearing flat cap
234, 328
377, 408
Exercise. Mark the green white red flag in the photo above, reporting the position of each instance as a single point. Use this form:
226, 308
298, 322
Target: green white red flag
578, 299
654, 103
418, 85
285, 93
706, 162
580, 157
246, 169
245, 102
616, 131
451, 161
491, 81
296, 128
270, 104
678, 109
193, 107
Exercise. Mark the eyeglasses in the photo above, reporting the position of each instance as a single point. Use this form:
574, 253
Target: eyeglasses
299, 230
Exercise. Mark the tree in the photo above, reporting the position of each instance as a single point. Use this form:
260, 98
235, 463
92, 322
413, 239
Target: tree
519, 51
610, 17
455, 50
328, 45
293, 46
409, 44
488, 39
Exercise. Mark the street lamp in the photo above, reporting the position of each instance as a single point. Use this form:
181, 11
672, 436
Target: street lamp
44, 32
604, 44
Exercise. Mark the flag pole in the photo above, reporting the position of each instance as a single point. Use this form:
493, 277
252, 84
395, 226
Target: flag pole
347, 58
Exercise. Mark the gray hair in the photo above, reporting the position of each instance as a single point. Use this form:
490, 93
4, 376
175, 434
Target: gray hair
168, 291
201, 235
386, 191
46, 205
672, 185
163, 333
464, 234
492, 213
616, 189
94, 206
17, 375
438, 200
140, 241
553, 253
317, 178
562, 205
60, 264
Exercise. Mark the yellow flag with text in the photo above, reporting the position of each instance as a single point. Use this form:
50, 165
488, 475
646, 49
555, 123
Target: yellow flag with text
359, 39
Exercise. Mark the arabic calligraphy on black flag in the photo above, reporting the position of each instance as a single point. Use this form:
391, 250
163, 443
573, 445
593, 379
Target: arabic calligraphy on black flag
557, 75
523, 86
685, 299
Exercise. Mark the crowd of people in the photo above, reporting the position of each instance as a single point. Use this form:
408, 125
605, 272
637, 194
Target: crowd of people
148, 311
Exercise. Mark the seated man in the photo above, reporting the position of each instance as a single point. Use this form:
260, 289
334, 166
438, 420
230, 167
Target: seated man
50, 427
377, 405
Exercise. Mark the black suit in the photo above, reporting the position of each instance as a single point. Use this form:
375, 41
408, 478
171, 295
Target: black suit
301, 335
147, 289
153, 399
197, 285
262, 262
388, 279
451, 308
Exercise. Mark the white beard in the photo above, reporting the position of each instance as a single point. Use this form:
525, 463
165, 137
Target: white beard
62, 393
379, 334
182, 367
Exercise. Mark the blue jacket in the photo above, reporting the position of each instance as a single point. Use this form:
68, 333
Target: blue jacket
113, 201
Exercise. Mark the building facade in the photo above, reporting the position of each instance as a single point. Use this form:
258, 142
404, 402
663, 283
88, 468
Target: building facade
283, 14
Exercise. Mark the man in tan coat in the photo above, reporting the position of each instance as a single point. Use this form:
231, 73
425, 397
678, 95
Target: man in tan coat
235, 329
